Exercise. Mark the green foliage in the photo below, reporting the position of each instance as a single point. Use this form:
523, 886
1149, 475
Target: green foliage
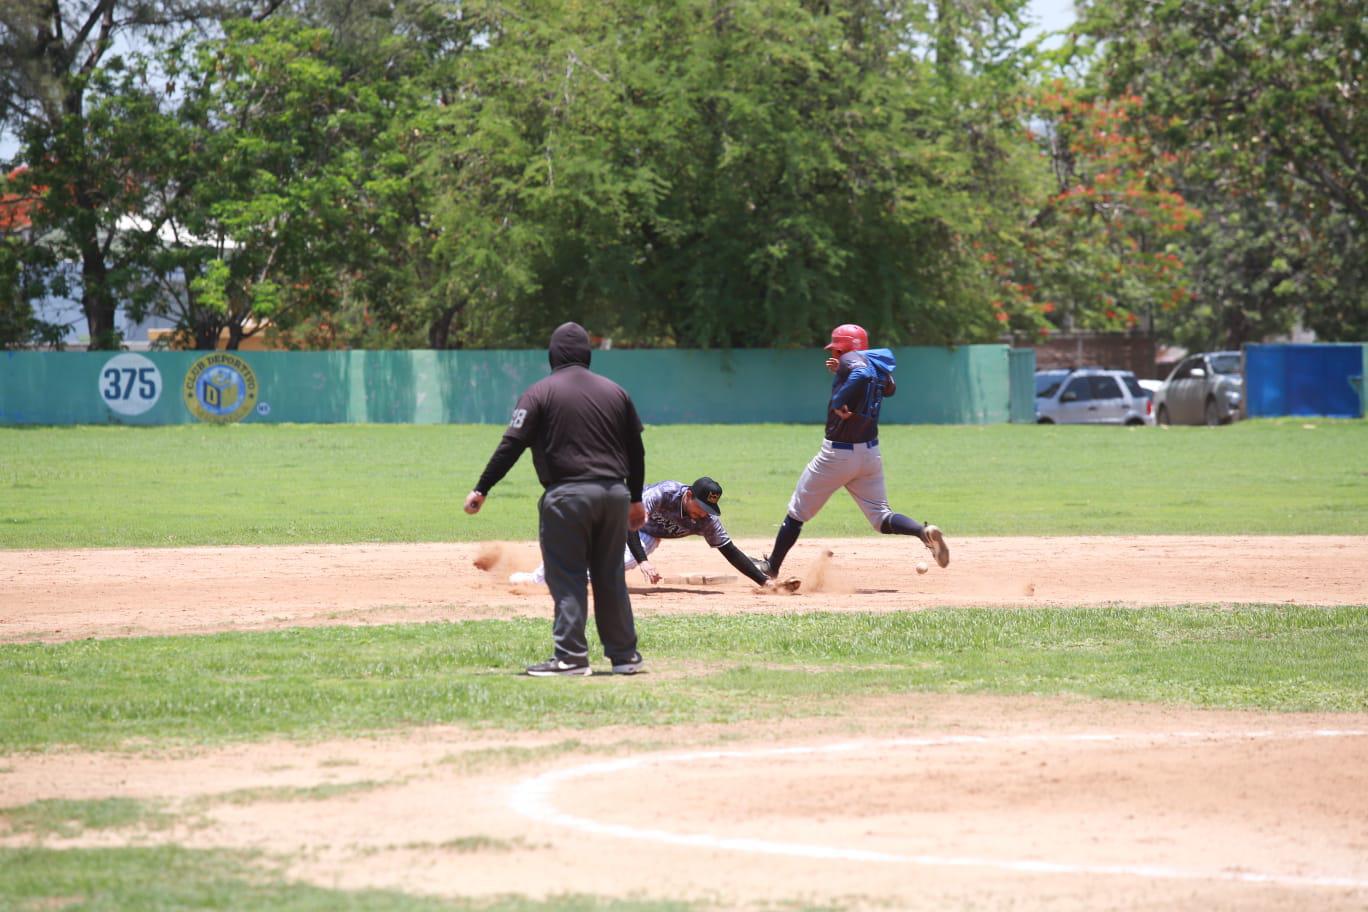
211, 288
292, 484
401, 174
1243, 286
330, 681
699, 179
19, 326
262, 175
1260, 109
63, 94
1099, 254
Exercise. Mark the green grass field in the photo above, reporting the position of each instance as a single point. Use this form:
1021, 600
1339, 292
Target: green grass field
199, 485
167, 878
323, 682
105, 487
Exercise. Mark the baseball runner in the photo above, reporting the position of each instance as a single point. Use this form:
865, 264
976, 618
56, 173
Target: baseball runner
677, 510
849, 457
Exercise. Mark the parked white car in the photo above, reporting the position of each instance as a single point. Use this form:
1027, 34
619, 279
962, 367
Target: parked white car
1205, 388
1151, 386
1093, 396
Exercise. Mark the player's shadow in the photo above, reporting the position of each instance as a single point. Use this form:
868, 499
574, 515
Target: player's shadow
875, 591
670, 590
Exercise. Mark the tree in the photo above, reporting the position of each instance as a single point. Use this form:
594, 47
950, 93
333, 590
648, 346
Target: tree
1101, 251
711, 173
51, 55
402, 293
23, 277
19, 326
263, 174
1262, 107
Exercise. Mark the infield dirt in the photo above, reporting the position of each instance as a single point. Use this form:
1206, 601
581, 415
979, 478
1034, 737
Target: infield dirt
996, 803
67, 595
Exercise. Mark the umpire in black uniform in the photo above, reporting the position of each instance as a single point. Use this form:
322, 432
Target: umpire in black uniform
586, 445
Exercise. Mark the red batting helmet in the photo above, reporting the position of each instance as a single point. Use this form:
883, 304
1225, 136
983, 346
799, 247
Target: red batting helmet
848, 337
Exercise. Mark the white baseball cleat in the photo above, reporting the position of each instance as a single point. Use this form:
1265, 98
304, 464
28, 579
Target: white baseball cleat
935, 540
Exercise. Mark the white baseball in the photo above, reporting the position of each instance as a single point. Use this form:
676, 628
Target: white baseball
923, 566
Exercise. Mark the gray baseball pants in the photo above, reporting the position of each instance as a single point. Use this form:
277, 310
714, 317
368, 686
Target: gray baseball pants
583, 525
856, 467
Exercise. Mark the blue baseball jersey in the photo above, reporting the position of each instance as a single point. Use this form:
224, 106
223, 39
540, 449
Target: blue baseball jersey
666, 518
862, 381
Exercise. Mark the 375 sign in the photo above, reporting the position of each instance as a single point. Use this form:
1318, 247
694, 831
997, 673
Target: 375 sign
130, 384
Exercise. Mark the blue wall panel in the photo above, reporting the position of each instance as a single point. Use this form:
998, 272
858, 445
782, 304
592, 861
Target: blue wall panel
1303, 379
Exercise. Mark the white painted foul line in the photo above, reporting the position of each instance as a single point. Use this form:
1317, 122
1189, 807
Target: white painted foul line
533, 798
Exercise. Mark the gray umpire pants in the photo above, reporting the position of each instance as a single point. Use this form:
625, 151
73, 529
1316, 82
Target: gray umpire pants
582, 529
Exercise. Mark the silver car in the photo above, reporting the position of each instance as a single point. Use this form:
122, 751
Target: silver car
1206, 388
1092, 396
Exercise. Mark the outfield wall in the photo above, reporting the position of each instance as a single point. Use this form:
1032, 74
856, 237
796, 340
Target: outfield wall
1308, 379
966, 385
1022, 364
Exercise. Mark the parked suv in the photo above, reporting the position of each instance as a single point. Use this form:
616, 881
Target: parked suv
1203, 389
1094, 396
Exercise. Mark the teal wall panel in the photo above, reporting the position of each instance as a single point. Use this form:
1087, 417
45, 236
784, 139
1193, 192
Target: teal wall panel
966, 385
1023, 365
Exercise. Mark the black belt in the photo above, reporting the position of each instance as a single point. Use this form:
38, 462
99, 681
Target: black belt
838, 445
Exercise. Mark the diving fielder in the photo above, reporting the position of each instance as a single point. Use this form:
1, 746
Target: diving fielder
678, 510
849, 457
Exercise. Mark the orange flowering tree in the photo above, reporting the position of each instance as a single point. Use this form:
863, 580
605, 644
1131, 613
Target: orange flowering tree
1101, 248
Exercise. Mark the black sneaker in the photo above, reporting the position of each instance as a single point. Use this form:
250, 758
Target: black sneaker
629, 666
935, 540
763, 565
554, 667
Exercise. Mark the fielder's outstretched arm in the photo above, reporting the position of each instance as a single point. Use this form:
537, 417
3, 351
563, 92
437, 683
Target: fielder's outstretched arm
737, 558
635, 546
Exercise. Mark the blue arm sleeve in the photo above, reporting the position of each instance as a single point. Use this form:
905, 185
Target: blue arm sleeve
851, 391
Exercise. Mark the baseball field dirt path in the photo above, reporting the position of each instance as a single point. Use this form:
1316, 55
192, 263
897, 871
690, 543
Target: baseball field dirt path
65, 595
906, 801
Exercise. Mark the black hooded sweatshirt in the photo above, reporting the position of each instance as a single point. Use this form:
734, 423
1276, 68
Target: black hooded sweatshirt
581, 426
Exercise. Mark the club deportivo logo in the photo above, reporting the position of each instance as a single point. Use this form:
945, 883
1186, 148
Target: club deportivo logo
220, 388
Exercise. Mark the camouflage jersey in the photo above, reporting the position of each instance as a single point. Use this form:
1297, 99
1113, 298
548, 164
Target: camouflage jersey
665, 516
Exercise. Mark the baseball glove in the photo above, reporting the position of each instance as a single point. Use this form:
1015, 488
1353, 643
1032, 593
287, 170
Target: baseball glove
788, 585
